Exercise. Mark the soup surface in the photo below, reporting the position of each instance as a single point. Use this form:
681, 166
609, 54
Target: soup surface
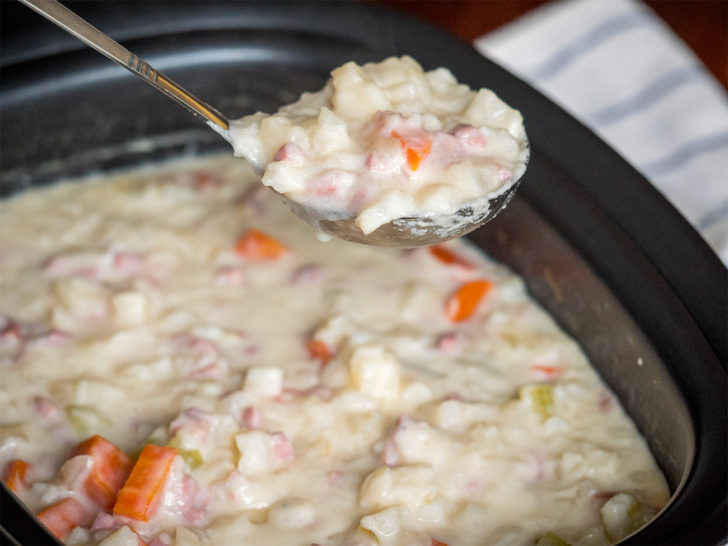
184, 363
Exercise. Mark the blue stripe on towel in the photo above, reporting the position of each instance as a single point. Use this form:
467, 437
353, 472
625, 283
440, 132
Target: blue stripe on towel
713, 217
601, 33
686, 152
646, 97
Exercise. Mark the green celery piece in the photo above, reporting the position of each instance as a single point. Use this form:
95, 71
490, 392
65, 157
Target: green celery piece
192, 457
87, 421
540, 398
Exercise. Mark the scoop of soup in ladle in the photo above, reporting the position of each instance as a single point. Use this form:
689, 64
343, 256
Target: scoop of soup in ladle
385, 154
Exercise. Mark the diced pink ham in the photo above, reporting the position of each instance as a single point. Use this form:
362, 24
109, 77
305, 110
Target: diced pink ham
470, 136
208, 362
307, 274
196, 345
107, 265
292, 153
251, 417
194, 420
602, 496
127, 262
282, 447
447, 148
63, 265
605, 401
208, 371
289, 395
203, 180
54, 338
334, 476
504, 174
182, 497
45, 408
106, 522
11, 339
233, 488
10, 330
385, 161
449, 344
390, 452
357, 200
161, 540
230, 275
321, 391
192, 501
330, 183
390, 455
536, 468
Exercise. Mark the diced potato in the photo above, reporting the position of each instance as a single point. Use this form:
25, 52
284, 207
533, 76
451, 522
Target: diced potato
87, 421
264, 381
185, 537
130, 307
331, 134
334, 330
123, 536
457, 415
82, 298
257, 453
385, 525
621, 515
92, 392
284, 177
275, 131
416, 394
487, 108
292, 513
355, 95
375, 372
419, 443
410, 486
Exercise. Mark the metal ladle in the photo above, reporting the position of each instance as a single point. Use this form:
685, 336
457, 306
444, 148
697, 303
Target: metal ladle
403, 232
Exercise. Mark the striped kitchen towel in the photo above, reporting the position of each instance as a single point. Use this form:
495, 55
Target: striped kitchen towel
617, 67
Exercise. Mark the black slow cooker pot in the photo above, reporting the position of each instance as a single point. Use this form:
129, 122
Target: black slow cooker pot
616, 265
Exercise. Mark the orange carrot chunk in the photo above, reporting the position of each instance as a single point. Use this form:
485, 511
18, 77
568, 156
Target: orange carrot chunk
16, 475
462, 304
63, 516
318, 350
448, 257
416, 147
546, 371
435, 542
257, 246
140, 496
111, 467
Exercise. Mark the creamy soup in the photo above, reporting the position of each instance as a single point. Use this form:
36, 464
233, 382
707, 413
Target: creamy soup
184, 363
386, 141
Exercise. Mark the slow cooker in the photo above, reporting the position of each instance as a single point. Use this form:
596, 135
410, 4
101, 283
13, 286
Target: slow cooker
599, 247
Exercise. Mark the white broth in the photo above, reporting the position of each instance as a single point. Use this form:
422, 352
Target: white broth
253, 385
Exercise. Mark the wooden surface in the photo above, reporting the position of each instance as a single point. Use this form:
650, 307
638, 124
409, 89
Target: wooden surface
702, 24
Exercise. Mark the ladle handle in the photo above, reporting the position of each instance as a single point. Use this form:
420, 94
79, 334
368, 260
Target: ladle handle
73, 24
